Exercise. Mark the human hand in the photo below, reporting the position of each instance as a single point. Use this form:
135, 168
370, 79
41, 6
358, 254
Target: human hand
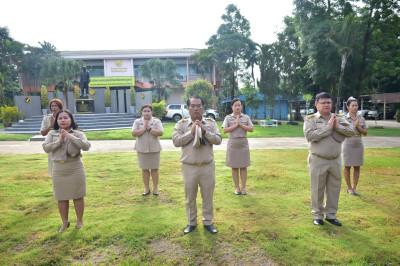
52, 120
66, 135
238, 120
357, 123
146, 125
332, 121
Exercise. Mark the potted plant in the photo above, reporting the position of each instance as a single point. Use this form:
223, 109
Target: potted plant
107, 99
133, 99
44, 100
21, 116
8, 114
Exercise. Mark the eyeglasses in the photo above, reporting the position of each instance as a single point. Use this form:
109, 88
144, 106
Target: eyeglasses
195, 105
325, 103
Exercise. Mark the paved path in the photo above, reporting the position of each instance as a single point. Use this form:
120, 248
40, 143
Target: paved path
31, 147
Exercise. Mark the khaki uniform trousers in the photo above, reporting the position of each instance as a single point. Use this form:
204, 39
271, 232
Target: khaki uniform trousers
193, 177
325, 176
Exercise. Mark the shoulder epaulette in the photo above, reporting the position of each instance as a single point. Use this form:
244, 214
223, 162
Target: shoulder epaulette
309, 116
339, 115
209, 118
180, 121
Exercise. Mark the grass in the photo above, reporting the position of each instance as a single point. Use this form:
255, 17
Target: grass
272, 223
283, 130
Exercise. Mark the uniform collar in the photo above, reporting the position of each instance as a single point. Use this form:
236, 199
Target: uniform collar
318, 115
233, 114
150, 120
191, 121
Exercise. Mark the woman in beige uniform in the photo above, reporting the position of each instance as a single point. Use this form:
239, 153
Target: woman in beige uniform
55, 105
238, 153
353, 148
69, 179
147, 130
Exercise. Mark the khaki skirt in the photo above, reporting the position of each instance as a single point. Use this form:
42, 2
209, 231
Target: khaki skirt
149, 160
353, 154
238, 153
69, 180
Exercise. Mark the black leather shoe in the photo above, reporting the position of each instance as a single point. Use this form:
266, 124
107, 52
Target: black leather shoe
189, 228
334, 222
318, 222
145, 193
211, 229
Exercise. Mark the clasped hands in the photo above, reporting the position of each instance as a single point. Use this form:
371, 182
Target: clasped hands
198, 123
65, 135
333, 123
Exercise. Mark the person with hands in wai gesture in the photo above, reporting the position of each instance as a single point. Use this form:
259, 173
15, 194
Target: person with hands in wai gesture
65, 143
238, 153
325, 132
147, 131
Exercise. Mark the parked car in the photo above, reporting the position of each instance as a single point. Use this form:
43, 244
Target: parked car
363, 113
374, 115
178, 111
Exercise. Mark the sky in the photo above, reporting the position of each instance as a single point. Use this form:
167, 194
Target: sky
147, 24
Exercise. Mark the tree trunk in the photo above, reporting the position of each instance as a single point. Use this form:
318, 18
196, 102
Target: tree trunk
333, 89
65, 93
342, 67
364, 55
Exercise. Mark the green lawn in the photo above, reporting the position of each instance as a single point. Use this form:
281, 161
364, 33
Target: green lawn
272, 223
283, 130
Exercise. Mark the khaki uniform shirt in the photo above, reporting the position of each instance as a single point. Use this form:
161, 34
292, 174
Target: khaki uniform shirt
68, 150
356, 139
46, 122
322, 140
230, 120
147, 142
183, 137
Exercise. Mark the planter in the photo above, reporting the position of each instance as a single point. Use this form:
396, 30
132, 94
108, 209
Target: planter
20, 121
44, 111
7, 124
133, 109
108, 110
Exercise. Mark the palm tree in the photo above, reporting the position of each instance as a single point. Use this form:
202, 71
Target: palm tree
162, 74
63, 73
345, 35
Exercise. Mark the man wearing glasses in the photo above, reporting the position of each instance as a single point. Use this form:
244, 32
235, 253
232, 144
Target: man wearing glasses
196, 136
325, 133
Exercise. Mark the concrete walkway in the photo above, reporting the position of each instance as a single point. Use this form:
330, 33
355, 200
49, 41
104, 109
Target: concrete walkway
32, 147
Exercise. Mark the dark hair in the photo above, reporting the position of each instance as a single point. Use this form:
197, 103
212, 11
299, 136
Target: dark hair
194, 97
322, 95
235, 100
350, 100
74, 125
147, 106
58, 102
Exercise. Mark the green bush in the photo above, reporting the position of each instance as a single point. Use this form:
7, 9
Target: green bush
44, 101
8, 113
107, 97
77, 92
21, 115
201, 88
397, 115
159, 109
133, 96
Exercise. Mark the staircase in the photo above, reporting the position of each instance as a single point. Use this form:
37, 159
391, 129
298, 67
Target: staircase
86, 122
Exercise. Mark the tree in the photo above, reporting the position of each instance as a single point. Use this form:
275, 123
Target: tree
163, 76
269, 74
232, 47
201, 88
345, 37
63, 73
251, 98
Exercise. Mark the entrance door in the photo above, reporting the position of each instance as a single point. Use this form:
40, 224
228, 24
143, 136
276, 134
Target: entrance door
120, 99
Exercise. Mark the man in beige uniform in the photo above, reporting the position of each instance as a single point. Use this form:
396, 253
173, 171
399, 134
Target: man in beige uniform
197, 135
325, 133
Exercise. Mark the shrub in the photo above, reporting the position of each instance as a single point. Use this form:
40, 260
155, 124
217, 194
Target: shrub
44, 101
397, 115
107, 97
133, 96
159, 109
201, 88
8, 113
77, 92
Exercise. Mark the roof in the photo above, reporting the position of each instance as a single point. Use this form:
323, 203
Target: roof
134, 53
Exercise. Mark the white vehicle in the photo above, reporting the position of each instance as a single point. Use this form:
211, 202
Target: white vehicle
178, 111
